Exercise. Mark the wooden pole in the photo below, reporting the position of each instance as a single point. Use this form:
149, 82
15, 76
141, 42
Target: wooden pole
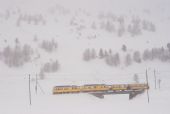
147, 84
29, 89
36, 84
155, 77
159, 83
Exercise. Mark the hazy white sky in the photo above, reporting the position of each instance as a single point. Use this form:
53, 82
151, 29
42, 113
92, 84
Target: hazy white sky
115, 6
83, 3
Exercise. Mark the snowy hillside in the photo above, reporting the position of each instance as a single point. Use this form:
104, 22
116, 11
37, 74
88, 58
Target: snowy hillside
80, 42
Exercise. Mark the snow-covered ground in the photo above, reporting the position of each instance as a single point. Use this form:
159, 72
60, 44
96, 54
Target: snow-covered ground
71, 25
14, 96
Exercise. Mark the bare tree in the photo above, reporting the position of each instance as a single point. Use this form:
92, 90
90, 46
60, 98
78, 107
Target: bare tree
113, 60
128, 60
147, 55
101, 53
93, 54
136, 57
168, 46
86, 55
109, 26
124, 48
135, 28
49, 46
121, 29
136, 78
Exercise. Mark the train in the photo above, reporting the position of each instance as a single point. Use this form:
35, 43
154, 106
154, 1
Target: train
99, 88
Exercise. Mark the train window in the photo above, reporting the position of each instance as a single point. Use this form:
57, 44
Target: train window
87, 87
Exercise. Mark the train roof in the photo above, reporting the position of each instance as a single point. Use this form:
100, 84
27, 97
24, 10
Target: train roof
67, 86
99, 85
93, 84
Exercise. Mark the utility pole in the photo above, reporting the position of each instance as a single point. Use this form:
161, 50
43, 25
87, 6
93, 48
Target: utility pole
36, 83
147, 84
159, 83
155, 77
29, 89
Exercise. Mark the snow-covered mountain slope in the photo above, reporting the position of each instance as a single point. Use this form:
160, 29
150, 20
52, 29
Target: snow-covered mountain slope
50, 38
